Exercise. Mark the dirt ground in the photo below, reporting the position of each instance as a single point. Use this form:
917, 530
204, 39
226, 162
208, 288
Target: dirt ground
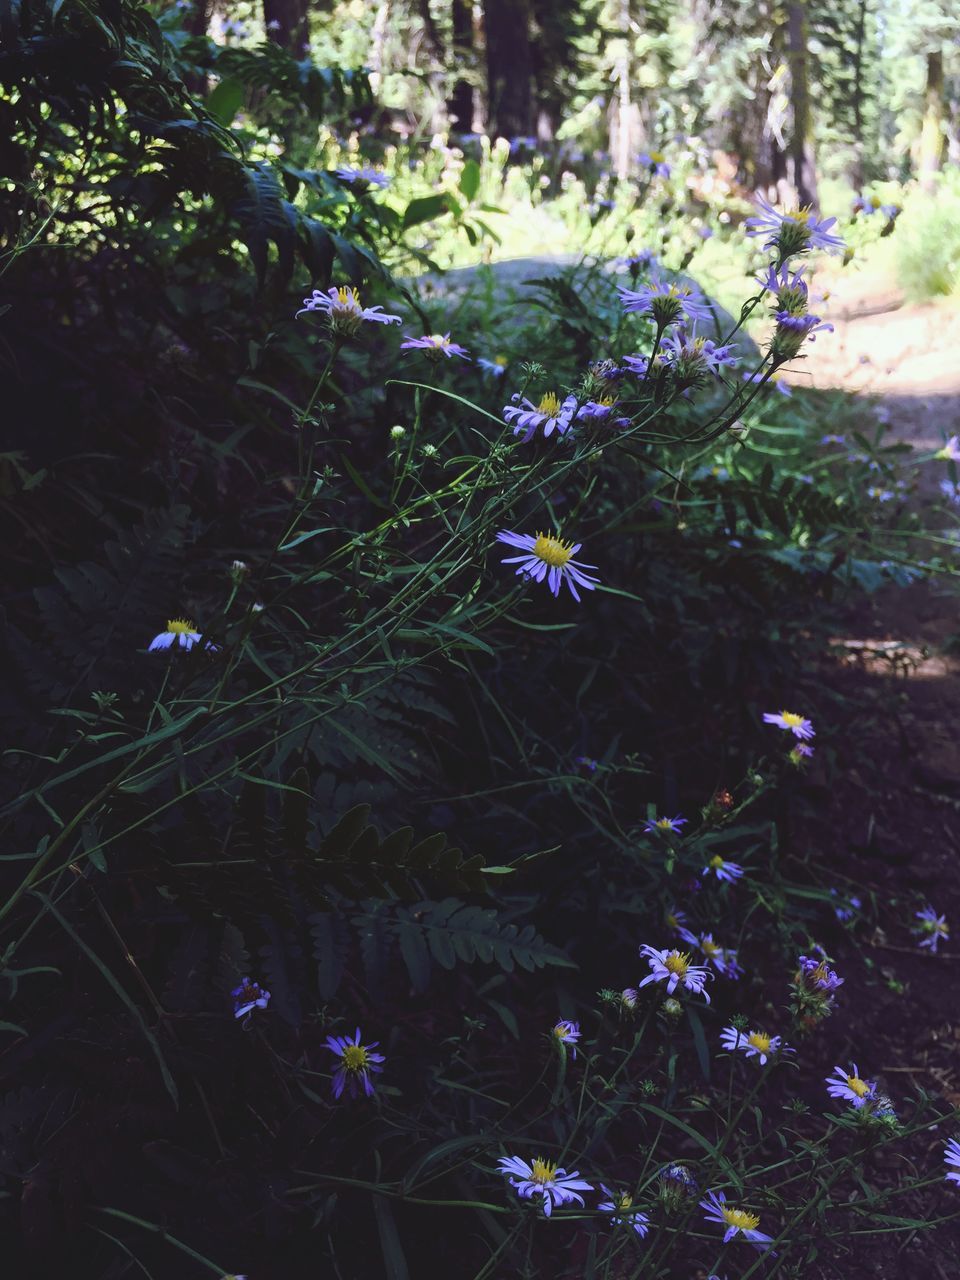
891, 812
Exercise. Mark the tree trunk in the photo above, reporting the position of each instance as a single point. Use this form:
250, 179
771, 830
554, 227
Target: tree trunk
931, 135
286, 23
460, 103
509, 68
551, 52
803, 165
858, 143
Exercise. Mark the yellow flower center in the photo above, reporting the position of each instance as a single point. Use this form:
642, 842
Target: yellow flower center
859, 1087
716, 862
791, 720
672, 921
607, 401
740, 1219
678, 962
665, 824
348, 297
354, 1057
439, 341
549, 404
656, 156
624, 1201
544, 1171
709, 947
500, 359
552, 550
875, 202
802, 216
759, 1041
180, 626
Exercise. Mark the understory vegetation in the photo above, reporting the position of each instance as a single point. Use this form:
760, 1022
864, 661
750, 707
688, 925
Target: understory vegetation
415, 704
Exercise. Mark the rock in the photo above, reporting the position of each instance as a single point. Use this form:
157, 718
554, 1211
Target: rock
500, 293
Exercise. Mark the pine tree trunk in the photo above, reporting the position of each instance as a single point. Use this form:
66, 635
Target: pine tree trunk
509, 68
931, 135
460, 104
803, 165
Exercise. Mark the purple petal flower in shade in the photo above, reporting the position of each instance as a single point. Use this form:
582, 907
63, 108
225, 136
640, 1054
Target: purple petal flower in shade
567, 1034
248, 996
845, 907
676, 920
723, 959
931, 928
179, 634
816, 975
655, 162
795, 231
755, 1044
343, 309
548, 416
642, 261
548, 557
950, 491
796, 724
951, 1157
951, 450
664, 825
362, 178
799, 752
357, 1061
435, 345
675, 969
496, 368
736, 1222
850, 1087
542, 1178
774, 381
723, 870
677, 1175
620, 1205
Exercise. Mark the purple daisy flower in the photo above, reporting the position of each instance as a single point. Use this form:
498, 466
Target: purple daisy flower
248, 996
362, 178
435, 345
548, 557
542, 1178
655, 162
816, 975
793, 232
357, 1061
755, 1044
931, 928
774, 381
667, 303
620, 1205
675, 969
343, 309
496, 367
179, 634
567, 1034
548, 416
796, 724
664, 825
737, 1222
723, 870
850, 1087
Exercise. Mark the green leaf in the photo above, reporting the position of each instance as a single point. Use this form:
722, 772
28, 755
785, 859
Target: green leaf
225, 100
395, 1264
470, 179
424, 209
